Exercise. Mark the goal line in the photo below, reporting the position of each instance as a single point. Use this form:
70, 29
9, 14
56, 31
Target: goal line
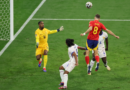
79, 19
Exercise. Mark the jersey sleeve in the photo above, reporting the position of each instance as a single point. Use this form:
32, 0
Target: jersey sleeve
77, 45
105, 35
90, 23
103, 27
37, 36
51, 31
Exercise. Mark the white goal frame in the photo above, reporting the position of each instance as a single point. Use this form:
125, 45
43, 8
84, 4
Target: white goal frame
11, 20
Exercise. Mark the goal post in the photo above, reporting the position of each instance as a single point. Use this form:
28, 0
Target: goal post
6, 20
11, 20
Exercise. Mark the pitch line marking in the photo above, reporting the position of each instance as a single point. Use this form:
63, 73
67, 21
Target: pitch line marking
22, 27
79, 19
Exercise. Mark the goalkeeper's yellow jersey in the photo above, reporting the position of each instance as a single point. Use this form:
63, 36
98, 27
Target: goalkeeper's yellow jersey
42, 36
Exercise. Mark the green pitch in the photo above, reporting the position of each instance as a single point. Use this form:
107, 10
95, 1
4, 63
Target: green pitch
18, 66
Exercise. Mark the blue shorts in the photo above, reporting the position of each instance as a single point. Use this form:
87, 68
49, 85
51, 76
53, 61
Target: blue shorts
91, 44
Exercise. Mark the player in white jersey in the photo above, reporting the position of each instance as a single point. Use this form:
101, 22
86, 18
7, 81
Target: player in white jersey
103, 36
68, 66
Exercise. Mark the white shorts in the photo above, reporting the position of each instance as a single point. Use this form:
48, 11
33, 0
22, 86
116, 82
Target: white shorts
68, 66
101, 52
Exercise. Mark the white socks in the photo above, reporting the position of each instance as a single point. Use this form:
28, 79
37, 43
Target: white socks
65, 79
91, 64
62, 75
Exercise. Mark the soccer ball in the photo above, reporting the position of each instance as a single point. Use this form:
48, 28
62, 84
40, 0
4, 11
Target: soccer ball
88, 4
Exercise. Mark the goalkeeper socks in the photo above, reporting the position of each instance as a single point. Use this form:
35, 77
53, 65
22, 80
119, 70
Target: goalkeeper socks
97, 58
87, 60
62, 75
45, 60
65, 79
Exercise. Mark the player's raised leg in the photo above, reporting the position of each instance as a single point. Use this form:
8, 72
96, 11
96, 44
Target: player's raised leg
39, 53
45, 60
105, 63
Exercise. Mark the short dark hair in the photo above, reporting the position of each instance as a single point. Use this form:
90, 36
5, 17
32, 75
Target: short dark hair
70, 42
97, 16
39, 22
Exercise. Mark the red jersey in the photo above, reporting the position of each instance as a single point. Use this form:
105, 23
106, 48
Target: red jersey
96, 28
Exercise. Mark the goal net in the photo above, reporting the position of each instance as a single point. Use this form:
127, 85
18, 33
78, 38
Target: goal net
6, 20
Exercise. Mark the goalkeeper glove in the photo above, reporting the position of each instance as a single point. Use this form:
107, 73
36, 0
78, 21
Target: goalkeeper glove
37, 44
60, 29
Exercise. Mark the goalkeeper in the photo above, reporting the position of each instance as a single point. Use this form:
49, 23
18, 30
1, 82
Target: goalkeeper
42, 47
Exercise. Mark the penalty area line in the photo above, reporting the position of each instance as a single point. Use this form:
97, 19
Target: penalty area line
22, 27
79, 19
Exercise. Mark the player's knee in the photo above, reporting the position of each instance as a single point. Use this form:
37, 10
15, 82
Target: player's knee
61, 68
96, 54
66, 72
38, 58
45, 52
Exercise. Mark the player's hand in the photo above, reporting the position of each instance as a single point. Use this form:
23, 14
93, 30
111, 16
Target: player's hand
61, 28
81, 34
37, 44
76, 64
106, 49
117, 37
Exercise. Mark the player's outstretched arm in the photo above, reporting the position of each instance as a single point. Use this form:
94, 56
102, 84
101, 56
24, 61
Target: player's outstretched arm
81, 48
55, 31
76, 59
106, 40
89, 29
111, 33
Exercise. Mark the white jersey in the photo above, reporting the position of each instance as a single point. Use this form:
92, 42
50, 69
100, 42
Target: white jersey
101, 46
71, 50
102, 39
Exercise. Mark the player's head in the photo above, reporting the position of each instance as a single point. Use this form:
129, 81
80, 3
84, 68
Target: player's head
97, 17
70, 42
41, 24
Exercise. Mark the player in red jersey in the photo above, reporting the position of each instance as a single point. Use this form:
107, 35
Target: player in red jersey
92, 40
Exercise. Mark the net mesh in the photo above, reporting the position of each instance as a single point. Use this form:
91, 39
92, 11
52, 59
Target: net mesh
4, 19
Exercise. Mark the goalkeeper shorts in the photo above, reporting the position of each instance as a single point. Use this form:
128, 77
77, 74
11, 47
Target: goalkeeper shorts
40, 50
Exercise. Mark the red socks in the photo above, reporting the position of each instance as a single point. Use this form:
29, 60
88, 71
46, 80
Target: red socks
87, 60
97, 58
